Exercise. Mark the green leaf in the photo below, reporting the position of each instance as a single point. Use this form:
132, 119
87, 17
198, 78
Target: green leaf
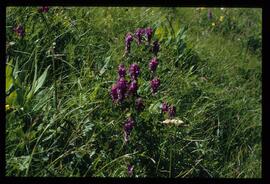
37, 84
155, 108
94, 93
9, 81
104, 68
41, 80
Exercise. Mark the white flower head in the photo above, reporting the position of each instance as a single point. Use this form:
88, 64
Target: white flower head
176, 122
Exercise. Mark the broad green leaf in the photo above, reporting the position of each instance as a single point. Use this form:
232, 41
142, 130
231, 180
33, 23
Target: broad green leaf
9, 81
41, 80
11, 99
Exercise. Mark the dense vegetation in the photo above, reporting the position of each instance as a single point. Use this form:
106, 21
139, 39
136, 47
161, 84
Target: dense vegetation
61, 120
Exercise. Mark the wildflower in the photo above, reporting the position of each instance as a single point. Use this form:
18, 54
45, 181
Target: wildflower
155, 48
176, 122
148, 33
139, 33
164, 107
43, 9
172, 111
134, 71
209, 15
153, 64
19, 30
221, 18
128, 126
8, 107
222, 9
121, 89
130, 170
122, 83
155, 84
139, 104
133, 87
114, 92
213, 24
121, 70
128, 41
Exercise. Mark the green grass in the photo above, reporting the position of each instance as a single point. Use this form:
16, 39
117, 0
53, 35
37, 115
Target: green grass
68, 126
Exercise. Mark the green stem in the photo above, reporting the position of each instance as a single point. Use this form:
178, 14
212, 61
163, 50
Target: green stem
54, 78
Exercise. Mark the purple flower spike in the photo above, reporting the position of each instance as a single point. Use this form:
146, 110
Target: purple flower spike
172, 111
134, 71
128, 41
155, 47
133, 87
122, 84
148, 33
128, 126
19, 30
43, 9
130, 170
121, 70
139, 33
121, 89
164, 107
114, 92
139, 104
155, 84
153, 64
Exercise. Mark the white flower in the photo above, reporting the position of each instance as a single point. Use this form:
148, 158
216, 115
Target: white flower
222, 9
176, 122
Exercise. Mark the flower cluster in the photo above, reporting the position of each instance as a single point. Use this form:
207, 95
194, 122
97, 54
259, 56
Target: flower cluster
19, 30
170, 109
122, 88
43, 9
141, 35
128, 40
155, 83
128, 126
153, 64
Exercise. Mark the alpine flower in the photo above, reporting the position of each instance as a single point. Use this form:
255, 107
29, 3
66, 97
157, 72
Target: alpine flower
153, 64
155, 83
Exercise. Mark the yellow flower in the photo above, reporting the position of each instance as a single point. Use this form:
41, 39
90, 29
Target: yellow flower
213, 24
221, 18
7, 107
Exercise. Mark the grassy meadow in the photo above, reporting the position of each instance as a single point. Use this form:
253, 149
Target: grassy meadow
62, 120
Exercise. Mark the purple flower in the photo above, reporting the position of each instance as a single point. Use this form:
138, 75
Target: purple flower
133, 87
148, 33
128, 41
121, 89
172, 111
155, 48
114, 92
164, 107
43, 9
155, 84
19, 30
121, 70
153, 64
134, 71
139, 104
139, 33
130, 170
128, 126
122, 84
209, 15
